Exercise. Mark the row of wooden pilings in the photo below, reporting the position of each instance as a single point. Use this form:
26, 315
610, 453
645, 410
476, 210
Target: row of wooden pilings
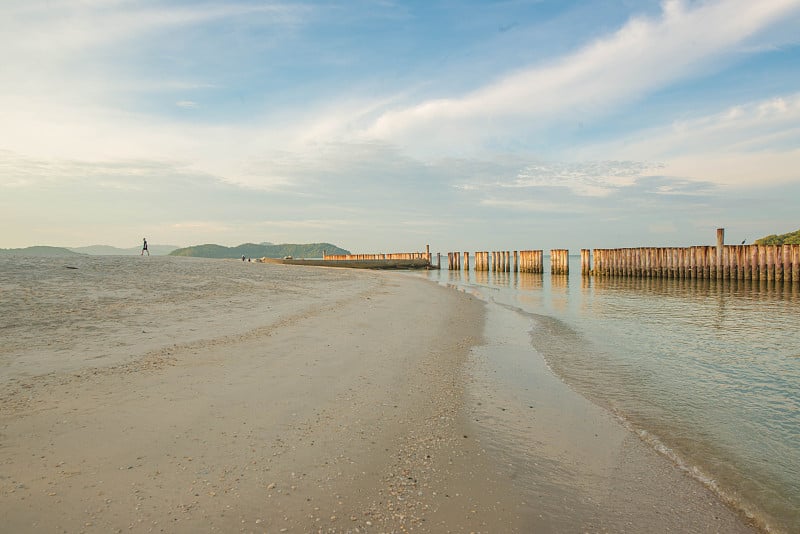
780, 263
503, 261
372, 257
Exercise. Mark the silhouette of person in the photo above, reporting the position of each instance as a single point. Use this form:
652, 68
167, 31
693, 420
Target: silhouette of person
144, 247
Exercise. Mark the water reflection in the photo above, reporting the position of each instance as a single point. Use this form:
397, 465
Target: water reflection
708, 367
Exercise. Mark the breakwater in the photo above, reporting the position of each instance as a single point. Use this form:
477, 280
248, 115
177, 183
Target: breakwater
770, 263
778, 263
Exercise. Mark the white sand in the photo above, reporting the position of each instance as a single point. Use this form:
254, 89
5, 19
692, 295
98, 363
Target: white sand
313, 400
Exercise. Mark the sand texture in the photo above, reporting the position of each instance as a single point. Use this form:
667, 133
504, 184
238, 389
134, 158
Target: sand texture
221, 397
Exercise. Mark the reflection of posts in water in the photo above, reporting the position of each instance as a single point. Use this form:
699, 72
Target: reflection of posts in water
586, 282
530, 281
559, 281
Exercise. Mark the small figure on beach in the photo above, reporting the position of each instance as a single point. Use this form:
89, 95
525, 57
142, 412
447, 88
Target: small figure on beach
242, 257
144, 247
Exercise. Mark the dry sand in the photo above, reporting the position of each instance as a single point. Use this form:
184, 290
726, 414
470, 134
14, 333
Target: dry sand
353, 412
341, 418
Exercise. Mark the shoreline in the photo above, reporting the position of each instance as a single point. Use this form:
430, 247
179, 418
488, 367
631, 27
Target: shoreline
585, 468
385, 405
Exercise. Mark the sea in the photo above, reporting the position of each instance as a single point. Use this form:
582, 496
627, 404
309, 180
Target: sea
706, 372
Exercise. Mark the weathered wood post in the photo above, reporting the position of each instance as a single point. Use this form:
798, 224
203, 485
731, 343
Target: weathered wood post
726, 263
770, 262
719, 269
795, 263
466, 261
762, 262
787, 263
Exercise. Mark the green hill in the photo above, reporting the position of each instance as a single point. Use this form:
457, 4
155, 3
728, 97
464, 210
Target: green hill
252, 250
39, 251
792, 238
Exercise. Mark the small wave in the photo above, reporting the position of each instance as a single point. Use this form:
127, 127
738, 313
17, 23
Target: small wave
695, 472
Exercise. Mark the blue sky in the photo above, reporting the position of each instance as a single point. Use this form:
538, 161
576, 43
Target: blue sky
385, 126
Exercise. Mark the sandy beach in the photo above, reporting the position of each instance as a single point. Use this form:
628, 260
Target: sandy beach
316, 400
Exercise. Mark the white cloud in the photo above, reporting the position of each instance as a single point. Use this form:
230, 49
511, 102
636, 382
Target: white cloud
187, 104
643, 55
748, 144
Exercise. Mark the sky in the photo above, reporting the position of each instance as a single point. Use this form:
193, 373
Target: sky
385, 126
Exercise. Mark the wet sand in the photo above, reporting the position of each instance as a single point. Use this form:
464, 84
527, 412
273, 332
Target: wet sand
369, 407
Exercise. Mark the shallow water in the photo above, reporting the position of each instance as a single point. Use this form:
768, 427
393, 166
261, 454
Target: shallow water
69, 313
706, 372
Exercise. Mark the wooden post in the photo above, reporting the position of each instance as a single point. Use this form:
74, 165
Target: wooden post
795, 264
741, 263
770, 249
713, 263
726, 263
787, 263
466, 261
718, 270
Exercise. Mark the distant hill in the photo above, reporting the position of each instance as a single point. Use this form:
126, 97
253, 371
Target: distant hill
106, 250
792, 238
38, 251
252, 250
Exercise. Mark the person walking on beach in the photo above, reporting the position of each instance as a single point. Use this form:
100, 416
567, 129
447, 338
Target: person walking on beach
144, 247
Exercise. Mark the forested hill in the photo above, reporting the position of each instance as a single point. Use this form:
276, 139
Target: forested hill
252, 250
38, 251
792, 238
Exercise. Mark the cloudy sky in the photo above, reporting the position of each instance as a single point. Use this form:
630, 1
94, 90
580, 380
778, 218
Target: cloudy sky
387, 125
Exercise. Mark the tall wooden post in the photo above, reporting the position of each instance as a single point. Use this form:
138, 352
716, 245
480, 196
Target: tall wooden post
719, 270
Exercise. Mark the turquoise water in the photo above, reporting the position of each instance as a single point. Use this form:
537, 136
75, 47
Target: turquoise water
707, 372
